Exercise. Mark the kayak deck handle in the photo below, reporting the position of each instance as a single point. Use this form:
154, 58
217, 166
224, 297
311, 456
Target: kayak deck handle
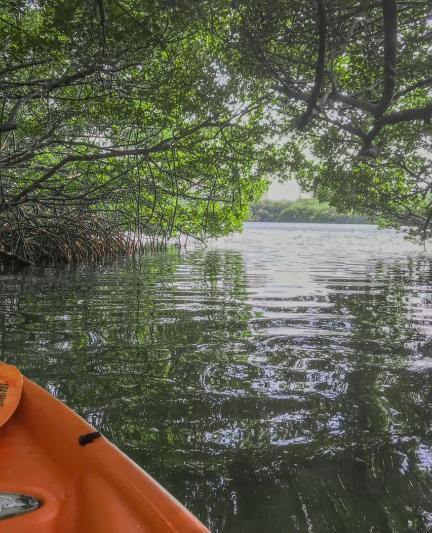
88, 438
13, 504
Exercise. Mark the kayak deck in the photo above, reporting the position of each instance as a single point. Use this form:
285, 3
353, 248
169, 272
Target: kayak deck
88, 486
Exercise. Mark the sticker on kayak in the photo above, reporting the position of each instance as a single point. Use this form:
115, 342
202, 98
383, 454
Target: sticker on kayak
12, 504
4, 387
11, 384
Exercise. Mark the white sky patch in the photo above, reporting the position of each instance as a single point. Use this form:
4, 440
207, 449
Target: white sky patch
289, 190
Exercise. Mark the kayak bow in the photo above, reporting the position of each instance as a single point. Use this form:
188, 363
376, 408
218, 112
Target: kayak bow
57, 474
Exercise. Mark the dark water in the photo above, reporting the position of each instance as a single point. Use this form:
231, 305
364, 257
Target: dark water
280, 380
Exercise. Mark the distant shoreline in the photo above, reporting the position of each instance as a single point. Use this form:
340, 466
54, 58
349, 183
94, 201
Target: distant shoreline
302, 211
324, 223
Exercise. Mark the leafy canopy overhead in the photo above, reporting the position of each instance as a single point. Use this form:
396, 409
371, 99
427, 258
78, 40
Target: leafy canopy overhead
123, 116
351, 85
167, 117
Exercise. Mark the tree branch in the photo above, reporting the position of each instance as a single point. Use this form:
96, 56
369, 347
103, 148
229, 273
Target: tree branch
11, 123
13, 257
352, 101
390, 49
107, 153
419, 85
407, 115
319, 67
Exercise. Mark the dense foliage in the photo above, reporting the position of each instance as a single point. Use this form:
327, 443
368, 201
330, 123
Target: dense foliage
302, 210
118, 116
162, 117
351, 84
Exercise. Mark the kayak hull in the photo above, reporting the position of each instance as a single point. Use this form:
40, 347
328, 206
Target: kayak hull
89, 486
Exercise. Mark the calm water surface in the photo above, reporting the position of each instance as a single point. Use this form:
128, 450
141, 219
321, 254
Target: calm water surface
279, 380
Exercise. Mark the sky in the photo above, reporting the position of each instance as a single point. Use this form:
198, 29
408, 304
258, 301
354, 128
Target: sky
288, 190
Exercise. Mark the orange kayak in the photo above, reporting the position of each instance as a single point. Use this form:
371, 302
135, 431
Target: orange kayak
57, 474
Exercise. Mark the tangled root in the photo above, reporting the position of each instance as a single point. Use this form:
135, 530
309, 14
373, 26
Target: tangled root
31, 236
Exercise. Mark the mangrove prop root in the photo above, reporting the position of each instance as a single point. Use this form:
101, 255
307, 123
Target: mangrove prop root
34, 236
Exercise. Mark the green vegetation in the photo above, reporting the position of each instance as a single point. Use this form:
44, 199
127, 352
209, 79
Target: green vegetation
351, 87
115, 118
162, 118
302, 210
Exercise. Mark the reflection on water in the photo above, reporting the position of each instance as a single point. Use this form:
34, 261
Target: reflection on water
280, 380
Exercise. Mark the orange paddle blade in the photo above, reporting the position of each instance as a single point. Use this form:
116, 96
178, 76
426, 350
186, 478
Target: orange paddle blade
11, 384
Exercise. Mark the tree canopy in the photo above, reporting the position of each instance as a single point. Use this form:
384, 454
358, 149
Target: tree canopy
118, 116
166, 117
351, 83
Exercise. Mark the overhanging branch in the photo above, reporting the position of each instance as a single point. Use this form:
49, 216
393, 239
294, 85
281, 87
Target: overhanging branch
390, 49
319, 67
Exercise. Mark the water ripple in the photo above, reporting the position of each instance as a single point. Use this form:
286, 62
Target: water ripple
278, 380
